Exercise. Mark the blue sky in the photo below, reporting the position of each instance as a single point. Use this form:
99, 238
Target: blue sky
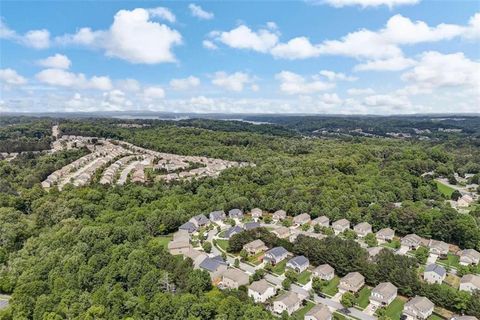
323, 56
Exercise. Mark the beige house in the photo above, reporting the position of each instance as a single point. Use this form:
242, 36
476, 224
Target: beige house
324, 272
261, 291
255, 247
256, 213
411, 242
301, 219
465, 201
469, 256
470, 283
383, 294
319, 312
281, 232
340, 226
362, 229
438, 248
289, 302
385, 235
279, 215
352, 282
234, 278
418, 308
322, 221
179, 246
196, 256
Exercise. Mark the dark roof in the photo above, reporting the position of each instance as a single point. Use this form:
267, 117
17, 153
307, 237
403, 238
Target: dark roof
299, 261
277, 251
211, 264
233, 230
251, 225
201, 219
436, 268
217, 215
235, 213
190, 227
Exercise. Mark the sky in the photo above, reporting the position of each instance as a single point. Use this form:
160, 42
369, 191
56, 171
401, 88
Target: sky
313, 56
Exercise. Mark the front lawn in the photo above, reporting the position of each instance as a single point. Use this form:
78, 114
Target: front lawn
300, 313
395, 309
444, 189
256, 259
222, 244
363, 298
435, 317
304, 277
332, 287
279, 268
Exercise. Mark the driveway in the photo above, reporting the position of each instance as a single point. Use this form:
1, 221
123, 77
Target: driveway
370, 309
432, 258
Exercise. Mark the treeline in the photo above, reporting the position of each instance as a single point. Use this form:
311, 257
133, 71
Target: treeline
347, 256
25, 136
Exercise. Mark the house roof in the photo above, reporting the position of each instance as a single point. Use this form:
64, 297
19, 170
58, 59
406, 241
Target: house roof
260, 286
362, 227
341, 223
385, 233
324, 269
235, 213
289, 298
277, 252
321, 220
177, 244
353, 279
281, 231
436, 269
217, 215
373, 251
233, 230
464, 318
298, 261
251, 225
471, 253
385, 289
212, 264
319, 312
201, 219
439, 245
236, 275
301, 218
256, 212
411, 239
420, 303
255, 244
471, 278
280, 214
190, 227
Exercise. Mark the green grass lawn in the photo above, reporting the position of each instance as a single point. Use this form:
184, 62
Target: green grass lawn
279, 268
444, 189
332, 287
222, 244
164, 240
394, 309
255, 259
222, 234
338, 316
435, 317
304, 277
363, 297
451, 261
300, 313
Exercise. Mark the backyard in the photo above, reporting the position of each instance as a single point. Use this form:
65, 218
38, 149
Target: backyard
394, 310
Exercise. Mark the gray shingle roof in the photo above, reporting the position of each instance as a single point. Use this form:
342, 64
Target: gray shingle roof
298, 261
235, 213
276, 252
251, 225
211, 264
436, 268
217, 215
190, 227
233, 230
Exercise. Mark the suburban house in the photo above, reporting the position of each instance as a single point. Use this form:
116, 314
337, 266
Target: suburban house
261, 291
215, 267
251, 225
289, 302
196, 256
217, 216
293, 235
385, 235
298, 263
255, 247
322, 221
418, 308
469, 256
383, 294
374, 251
235, 214
434, 274
340, 226
279, 215
319, 312
324, 272
352, 282
233, 230
281, 232
181, 245
470, 283
234, 278
301, 219
275, 255
362, 229
188, 226
465, 201
438, 248
256, 214
199, 220
411, 242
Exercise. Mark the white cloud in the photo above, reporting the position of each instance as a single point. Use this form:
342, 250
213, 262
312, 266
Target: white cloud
330, 98
153, 93
57, 61
198, 12
292, 83
336, 76
296, 48
360, 91
232, 82
387, 101
242, 37
435, 70
208, 44
133, 36
390, 64
37, 39
131, 85
162, 13
11, 77
116, 100
473, 30
185, 83
368, 3
62, 78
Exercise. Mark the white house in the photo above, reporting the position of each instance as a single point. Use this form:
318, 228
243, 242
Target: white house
383, 294
289, 302
384, 235
319, 312
470, 283
298, 263
434, 274
418, 308
261, 291
362, 229
340, 226
469, 256
324, 272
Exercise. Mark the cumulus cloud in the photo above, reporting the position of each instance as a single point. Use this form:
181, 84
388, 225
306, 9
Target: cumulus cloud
37, 39
115, 100
360, 91
131, 85
198, 12
57, 61
208, 44
336, 76
162, 13
62, 78
242, 37
11, 77
232, 82
133, 37
185, 83
387, 101
296, 48
292, 83
153, 93
367, 3
390, 64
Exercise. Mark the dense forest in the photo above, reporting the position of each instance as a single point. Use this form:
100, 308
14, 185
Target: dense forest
95, 253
